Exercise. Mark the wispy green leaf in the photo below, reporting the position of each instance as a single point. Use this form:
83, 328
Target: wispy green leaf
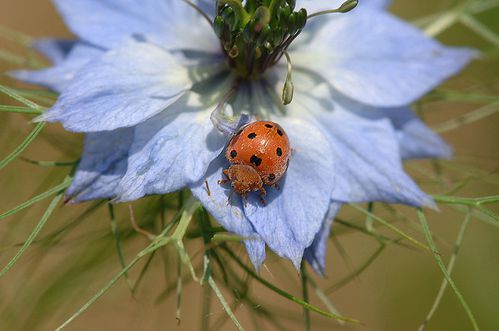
20, 109
450, 268
26, 142
53, 204
56, 189
441, 265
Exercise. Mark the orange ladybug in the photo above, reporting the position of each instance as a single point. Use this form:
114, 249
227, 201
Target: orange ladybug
259, 154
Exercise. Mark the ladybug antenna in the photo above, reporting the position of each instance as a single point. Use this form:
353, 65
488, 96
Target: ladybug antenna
288, 89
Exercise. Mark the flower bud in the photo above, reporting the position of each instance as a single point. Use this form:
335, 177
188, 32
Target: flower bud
287, 92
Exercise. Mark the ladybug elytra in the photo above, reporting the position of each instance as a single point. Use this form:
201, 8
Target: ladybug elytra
259, 155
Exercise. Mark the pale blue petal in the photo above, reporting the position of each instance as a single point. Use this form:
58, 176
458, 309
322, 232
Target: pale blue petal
416, 139
294, 213
369, 166
103, 164
375, 58
315, 254
55, 50
367, 153
107, 23
228, 213
122, 88
171, 150
58, 77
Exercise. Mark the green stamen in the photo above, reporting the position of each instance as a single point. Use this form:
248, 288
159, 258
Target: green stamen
255, 35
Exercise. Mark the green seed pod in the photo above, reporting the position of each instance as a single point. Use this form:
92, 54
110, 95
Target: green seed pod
347, 6
287, 92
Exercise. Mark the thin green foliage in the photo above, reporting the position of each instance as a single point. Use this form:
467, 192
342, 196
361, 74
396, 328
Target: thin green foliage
19, 37
12, 93
50, 163
117, 241
178, 312
53, 204
56, 189
460, 96
392, 227
12, 58
441, 265
160, 241
323, 296
20, 109
474, 202
450, 268
19, 60
224, 303
347, 279
304, 286
42, 97
463, 12
143, 272
284, 293
480, 29
103, 290
64, 230
206, 308
473, 116
26, 142
207, 276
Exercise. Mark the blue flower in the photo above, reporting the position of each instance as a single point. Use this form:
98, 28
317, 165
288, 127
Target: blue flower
143, 78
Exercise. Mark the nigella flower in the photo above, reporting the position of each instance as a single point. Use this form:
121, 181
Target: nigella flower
143, 78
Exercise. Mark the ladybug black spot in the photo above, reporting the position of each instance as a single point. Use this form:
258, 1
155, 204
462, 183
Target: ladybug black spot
255, 160
233, 153
279, 132
271, 177
279, 151
252, 135
269, 126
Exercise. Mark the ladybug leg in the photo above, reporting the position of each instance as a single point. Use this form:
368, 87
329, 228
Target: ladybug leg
224, 180
262, 193
276, 186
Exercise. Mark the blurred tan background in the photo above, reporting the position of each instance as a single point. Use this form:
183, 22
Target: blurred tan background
58, 275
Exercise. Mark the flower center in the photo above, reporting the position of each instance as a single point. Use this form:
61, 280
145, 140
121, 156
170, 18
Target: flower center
255, 35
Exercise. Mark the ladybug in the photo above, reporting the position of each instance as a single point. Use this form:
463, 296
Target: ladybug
259, 155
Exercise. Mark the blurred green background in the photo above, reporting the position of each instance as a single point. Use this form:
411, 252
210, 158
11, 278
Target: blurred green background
75, 255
